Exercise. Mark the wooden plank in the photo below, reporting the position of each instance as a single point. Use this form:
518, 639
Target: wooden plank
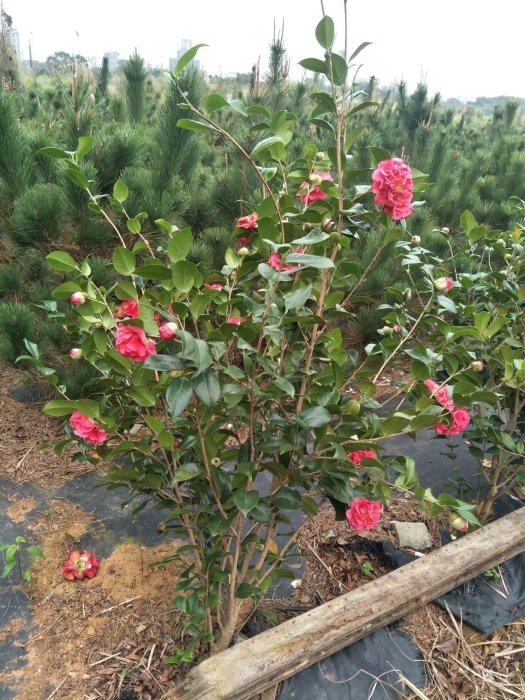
256, 664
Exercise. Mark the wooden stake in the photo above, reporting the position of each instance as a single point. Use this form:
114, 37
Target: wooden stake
248, 668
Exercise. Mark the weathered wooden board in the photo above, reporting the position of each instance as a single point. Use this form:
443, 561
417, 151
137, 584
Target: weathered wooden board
252, 666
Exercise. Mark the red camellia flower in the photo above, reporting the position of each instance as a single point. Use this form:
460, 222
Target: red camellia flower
308, 194
128, 309
364, 514
218, 287
249, 221
245, 240
87, 429
460, 420
276, 262
443, 284
440, 393
234, 320
131, 342
79, 565
358, 455
167, 330
392, 185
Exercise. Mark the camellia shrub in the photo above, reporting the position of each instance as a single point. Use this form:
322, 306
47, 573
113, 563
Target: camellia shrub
232, 399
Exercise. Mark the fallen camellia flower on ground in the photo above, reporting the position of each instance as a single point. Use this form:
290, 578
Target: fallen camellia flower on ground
79, 565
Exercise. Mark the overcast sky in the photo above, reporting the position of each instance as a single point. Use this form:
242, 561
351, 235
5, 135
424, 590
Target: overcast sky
463, 48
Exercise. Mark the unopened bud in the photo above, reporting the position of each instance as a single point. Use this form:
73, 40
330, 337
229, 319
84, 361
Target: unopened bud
319, 156
75, 353
176, 373
458, 523
416, 240
397, 328
243, 252
445, 230
477, 365
387, 330
500, 241
443, 284
315, 179
508, 256
78, 298
215, 462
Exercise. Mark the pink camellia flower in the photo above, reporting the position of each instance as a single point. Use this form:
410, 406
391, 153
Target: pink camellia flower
249, 221
87, 429
234, 320
364, 514
358, 455
443, 284
245, 240
218, 287
131, 342
128, 309
308, 194
78, 298
79, 565
392, 185
460, 420
167, 330
276, 262
477, 365
75, 353
458, 523
441, 394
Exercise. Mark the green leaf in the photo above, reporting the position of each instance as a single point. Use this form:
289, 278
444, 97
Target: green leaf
325, 32
188, 471
59, 408
180, 245
232, 259
207, 388
51, 152
239, 107
306, 260
297, 298
315, 65
360, 107
85, 144
339, 69
134, 226
163, 363
186, 58
261, 513
359, 49
352, 136
266, 143
77, 176
156, 271
66, 289
215, 101
63, 262
123, 261
323, 124
467, 221
446, 303
284, 385
246, 500
288, 499
315, 236
246, 590
178, 395
201, 355
183, 275
315, 417
194, 125
120, 191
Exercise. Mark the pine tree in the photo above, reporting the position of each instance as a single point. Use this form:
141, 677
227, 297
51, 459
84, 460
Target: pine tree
135, 74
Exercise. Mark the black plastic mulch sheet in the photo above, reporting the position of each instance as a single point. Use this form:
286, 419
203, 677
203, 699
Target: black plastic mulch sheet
371, 669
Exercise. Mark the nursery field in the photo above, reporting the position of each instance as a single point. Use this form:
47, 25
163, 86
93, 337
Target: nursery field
262, 385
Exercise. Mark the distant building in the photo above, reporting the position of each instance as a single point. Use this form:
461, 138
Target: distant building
113, 61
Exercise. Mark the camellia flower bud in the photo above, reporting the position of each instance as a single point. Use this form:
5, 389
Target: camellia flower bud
386, 330
75, 353
243, 252
167, 330
416, 240
78, 298
315, 178
477, 365
397, 328
500, 241
443, 284
445, 230
458, 523
215, 461
319, 156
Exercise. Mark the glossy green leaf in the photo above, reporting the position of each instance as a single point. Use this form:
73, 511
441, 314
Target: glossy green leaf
194, 125
297, 298
325, 32
123, 261
51, 152
63, 262
266, 143
85, 144
183, 275
120, 191
178, 395
180, 245
245, 501
306, 260
315, 417
287, 499
163, 363
207, 388
315, 65
186, 58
